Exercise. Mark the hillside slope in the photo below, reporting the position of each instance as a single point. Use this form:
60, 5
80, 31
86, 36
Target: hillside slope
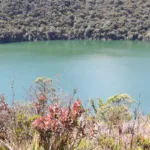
32, 20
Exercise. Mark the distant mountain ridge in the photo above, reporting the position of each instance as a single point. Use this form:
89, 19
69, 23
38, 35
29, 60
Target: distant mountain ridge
36, 20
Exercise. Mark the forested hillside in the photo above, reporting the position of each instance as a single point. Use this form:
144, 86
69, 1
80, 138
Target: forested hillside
32, 20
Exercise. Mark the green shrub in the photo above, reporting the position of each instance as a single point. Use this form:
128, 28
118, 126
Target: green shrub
143, 142
116, 109
106, 142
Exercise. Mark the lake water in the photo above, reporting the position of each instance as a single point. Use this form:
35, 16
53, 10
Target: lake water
96, 68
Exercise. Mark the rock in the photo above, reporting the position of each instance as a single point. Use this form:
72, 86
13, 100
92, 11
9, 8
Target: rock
130, 37
147, 37
88, 32
140, 37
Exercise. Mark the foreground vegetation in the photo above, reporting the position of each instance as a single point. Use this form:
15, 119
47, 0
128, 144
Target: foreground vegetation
50, 121
32, 20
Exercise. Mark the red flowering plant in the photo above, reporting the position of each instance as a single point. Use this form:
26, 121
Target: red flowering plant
62, 127
44, 93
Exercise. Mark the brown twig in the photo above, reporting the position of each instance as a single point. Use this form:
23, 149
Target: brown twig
7, 145
13, 91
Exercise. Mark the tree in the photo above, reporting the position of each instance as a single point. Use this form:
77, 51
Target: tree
116, 111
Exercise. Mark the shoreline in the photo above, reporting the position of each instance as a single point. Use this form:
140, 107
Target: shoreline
76, 40
34, 41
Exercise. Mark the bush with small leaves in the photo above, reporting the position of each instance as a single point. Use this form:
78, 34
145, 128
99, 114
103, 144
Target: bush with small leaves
61, 129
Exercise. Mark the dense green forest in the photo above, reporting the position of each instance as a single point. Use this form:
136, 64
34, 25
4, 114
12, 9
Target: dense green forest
32, 20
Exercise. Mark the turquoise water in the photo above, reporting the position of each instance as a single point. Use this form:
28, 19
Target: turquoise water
96, 68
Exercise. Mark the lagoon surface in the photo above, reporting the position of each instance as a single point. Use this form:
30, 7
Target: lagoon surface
96, 68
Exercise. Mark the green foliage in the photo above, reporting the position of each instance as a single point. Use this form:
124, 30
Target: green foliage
36, 143
120, 99
62, 21
114, 114
2, 147
93, 105
143, 142
24, 120
22, 129
107, 142
116, 109
85, 144
100, 104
